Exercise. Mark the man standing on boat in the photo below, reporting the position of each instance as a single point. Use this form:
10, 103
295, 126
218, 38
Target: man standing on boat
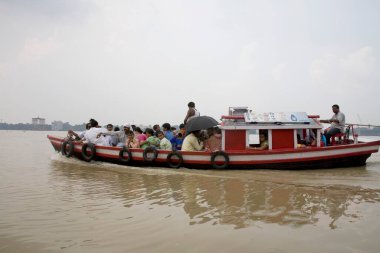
338, 121
191, 113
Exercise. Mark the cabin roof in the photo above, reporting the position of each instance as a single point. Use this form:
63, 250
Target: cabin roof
270, 120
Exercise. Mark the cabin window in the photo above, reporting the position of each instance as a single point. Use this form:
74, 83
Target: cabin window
253, 137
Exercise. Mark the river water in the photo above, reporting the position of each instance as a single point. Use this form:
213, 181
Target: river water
50, 203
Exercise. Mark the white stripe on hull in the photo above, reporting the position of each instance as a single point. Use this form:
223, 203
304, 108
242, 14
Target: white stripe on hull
325, 154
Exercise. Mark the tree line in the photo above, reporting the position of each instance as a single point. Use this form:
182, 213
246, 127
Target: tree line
30, 127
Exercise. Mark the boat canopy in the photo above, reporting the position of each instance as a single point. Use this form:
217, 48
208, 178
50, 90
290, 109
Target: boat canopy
270, 120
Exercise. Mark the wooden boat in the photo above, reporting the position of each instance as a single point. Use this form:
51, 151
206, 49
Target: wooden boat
240, 130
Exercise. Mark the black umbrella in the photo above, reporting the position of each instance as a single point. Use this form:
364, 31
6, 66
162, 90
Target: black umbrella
199, 123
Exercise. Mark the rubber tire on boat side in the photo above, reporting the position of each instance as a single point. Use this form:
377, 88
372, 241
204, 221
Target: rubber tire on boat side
226, 160
71, 148
170, 162
121, 155
86, 157
145, 154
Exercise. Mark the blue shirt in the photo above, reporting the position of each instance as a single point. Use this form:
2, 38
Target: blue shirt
176, 143
323, 139
168, 135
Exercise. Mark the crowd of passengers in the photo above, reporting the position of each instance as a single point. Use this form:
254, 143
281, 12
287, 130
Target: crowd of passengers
167, 138
170, 138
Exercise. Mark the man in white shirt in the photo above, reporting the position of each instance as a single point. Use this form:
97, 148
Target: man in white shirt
338, 121
92, 134
74, 136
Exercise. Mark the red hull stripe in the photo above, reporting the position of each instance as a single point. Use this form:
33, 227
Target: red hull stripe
243, 158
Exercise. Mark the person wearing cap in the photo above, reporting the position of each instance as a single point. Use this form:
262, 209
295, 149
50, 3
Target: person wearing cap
119, 137
122, 135
337, 121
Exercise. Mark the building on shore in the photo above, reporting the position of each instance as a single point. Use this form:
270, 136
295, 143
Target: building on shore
39, 124
57, 126
38, 121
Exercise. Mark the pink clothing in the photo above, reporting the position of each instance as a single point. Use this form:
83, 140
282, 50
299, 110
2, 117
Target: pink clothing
214, 143
141, 137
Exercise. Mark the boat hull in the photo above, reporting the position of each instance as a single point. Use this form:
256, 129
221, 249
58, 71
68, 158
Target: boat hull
350, 155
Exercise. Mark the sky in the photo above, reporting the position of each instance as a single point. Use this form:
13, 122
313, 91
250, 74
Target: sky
142, 61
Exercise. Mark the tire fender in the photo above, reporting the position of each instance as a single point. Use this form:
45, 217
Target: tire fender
226, 160
66, 152
85, 156
122, 157
150, 149
170, 162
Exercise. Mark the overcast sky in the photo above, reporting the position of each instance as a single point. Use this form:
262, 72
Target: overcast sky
143, 61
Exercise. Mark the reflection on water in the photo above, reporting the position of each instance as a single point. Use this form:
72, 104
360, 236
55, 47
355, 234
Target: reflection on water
49, 203
231, 198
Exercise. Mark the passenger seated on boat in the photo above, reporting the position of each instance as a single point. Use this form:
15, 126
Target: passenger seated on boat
203, 135
132, 141
192, 142
214, 141
301, 143
167, 131
94, 134
311, 140
118, 137
156, 128
164, 143
122, 135
337, 121
263, 142
139, 134
109, 137
114, 138
177, 140
151, 139
77, 137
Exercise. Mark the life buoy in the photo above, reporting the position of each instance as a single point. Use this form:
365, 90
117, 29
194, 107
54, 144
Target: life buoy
67, 152
150, 149
215, 164
177, 162
85, 156
124, 159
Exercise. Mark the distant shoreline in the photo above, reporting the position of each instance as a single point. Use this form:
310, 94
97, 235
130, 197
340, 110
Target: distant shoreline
363, 131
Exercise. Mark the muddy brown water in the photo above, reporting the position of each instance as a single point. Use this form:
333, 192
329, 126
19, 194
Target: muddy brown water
50, 203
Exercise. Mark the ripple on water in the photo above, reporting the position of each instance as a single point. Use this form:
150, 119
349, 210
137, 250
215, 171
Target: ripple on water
56, 203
